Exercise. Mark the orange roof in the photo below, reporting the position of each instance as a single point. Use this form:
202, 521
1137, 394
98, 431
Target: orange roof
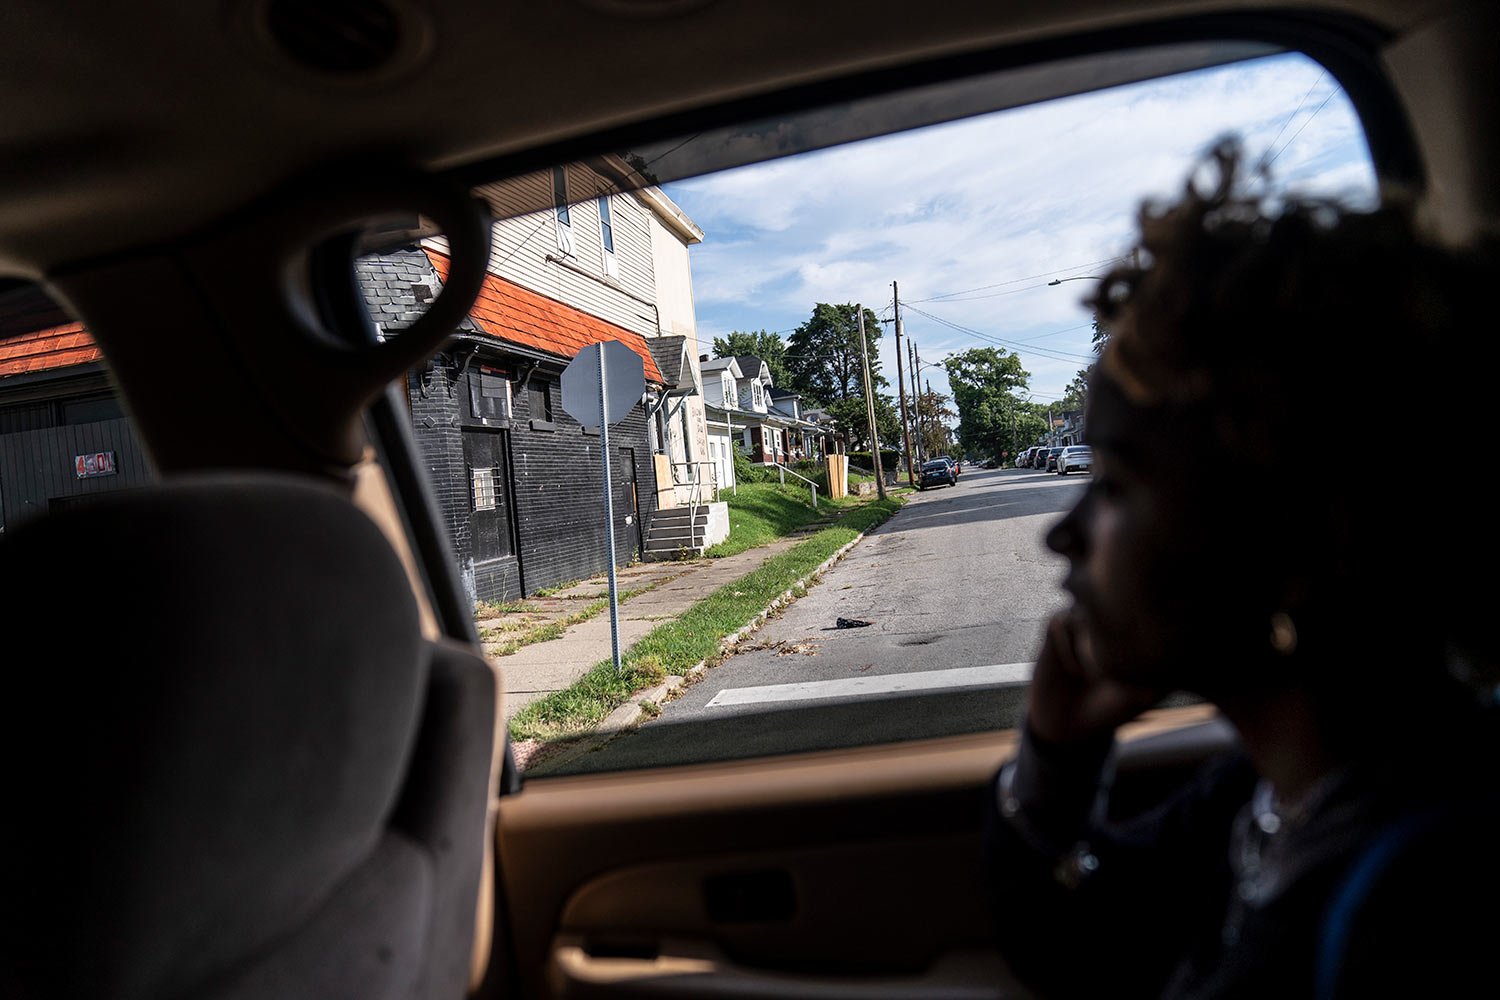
504, 310
509, 312
37, 334
41, 350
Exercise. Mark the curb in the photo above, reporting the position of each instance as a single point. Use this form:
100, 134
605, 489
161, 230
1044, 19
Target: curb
631, 714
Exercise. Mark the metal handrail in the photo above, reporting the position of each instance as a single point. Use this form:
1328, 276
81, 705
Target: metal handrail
783, 470
695, 477
696, 480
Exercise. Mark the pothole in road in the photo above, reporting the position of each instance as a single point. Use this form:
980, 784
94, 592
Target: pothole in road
919, 640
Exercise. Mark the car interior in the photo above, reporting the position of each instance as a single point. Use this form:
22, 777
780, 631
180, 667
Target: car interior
266, 754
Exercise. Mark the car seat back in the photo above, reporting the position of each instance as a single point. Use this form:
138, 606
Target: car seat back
244, 772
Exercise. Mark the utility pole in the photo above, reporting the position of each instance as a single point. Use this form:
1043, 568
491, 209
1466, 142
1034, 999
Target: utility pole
911, 474
934, 415
864, 352
916, 399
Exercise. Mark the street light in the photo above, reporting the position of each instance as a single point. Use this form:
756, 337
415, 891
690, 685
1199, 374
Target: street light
1135, 261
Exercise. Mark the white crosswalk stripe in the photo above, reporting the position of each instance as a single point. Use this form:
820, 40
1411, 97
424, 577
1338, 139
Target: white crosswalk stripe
854, 687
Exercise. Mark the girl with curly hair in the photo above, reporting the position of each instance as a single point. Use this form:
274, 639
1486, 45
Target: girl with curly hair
1230, 547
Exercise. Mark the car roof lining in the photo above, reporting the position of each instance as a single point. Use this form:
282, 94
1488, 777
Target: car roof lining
766, 138
883, 102
151, 179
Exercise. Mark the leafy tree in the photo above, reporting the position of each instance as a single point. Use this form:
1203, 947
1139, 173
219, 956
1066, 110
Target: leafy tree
1029, 428
851, 417
1076, 395
935, 437
984, 381
1101, 334
769, 347
824, 357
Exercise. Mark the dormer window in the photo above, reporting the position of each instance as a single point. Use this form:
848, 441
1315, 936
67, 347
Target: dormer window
755, 395
726, 389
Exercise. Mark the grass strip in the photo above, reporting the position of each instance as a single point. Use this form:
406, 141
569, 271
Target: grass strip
493, 609
555, 628
674, 647
761, 513
764, 512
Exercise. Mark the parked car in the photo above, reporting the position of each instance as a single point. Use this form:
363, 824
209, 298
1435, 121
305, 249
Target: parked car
938, 472
1049, 461
1075, 458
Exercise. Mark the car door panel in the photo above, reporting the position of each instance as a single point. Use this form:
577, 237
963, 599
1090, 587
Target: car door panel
852, 872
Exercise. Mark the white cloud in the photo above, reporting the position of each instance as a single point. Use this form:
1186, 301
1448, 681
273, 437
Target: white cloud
990, 200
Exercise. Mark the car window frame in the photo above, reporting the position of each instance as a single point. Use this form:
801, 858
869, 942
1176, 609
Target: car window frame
1346, 47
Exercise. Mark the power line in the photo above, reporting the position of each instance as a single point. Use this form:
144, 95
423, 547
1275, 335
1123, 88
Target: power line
1310, 117
1013, 281
1264, 162
1017, 346
1054, 333
673, 149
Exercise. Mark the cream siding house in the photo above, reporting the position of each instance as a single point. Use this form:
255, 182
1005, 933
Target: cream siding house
721, 377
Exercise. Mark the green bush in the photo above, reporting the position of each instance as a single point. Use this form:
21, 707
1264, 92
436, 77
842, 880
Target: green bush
889, 459
746, 471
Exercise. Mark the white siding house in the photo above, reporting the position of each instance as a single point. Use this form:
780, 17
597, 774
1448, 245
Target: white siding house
721, 378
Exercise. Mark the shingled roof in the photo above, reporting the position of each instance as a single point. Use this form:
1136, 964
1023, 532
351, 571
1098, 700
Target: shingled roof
676, 366
508, 312
37, 334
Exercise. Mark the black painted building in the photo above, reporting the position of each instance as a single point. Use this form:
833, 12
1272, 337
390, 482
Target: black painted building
518, 480
64, 438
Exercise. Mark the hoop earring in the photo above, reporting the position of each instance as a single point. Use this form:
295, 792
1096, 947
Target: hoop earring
1283, 633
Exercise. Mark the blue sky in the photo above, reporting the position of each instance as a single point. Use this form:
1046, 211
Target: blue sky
973, 218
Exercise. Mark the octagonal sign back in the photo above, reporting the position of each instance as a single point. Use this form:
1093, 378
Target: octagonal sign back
624, 376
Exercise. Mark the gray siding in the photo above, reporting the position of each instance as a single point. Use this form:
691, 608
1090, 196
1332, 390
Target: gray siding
36, 467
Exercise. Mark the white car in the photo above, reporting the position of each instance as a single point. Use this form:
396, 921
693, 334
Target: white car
1077, 456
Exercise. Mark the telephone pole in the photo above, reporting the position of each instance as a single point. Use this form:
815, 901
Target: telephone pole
940, 436
916, 398
864, 352
911, 474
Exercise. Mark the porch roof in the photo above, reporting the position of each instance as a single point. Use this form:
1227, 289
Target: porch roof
675, 364
769, 418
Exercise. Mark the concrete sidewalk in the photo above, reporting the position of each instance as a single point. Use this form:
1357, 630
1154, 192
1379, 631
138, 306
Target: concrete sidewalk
541, 668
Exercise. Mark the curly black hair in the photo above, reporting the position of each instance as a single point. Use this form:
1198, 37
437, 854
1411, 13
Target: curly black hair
1318, 354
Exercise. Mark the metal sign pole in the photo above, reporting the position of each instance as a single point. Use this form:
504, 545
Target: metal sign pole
609, 510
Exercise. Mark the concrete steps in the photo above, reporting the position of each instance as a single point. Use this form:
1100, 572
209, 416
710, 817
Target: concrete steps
677, 531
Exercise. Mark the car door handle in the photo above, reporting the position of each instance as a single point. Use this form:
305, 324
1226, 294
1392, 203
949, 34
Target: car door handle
675, 967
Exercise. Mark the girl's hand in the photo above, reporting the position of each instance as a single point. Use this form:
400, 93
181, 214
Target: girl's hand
1069, 700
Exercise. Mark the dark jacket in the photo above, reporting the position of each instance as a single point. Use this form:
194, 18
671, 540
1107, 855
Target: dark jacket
1385, 885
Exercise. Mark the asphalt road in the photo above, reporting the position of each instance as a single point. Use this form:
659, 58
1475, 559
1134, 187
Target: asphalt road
956, 588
